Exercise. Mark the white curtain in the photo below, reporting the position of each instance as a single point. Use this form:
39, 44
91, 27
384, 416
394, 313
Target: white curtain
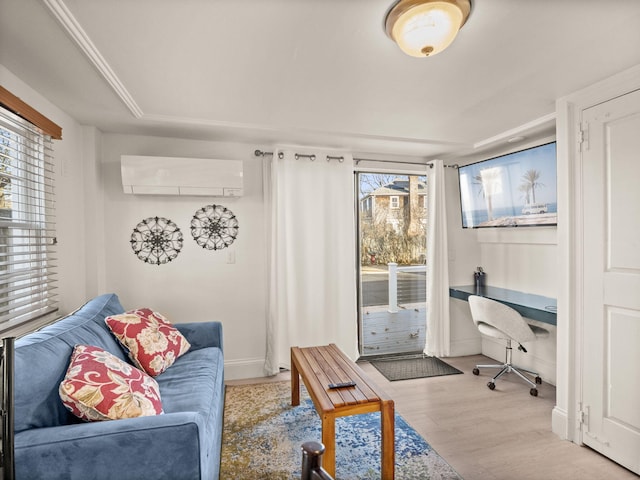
312, 284
438, 325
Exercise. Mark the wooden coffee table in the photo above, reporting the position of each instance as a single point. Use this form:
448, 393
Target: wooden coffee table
321, 366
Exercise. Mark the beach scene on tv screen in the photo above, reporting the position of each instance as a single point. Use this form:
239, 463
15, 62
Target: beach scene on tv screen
517, 189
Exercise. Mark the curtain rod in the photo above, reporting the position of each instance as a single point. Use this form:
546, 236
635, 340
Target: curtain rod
260, 153
312, 157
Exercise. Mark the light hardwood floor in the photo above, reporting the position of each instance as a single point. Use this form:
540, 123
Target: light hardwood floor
502, 434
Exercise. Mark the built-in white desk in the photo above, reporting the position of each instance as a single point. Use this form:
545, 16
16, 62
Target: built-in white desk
528, 305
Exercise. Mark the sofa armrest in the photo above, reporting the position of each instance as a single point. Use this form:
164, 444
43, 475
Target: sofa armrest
202, 334
160, 447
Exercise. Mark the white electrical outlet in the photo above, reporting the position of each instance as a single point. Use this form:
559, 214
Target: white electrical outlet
231, 256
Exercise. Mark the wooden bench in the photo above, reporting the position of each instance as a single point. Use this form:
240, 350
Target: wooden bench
320, 366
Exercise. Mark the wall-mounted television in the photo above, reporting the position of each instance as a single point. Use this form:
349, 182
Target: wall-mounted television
513, 190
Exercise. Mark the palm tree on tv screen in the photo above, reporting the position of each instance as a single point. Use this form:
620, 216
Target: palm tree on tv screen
490, 183
530, 181
526, 191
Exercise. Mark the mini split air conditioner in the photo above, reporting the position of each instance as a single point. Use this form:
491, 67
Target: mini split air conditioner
181, 176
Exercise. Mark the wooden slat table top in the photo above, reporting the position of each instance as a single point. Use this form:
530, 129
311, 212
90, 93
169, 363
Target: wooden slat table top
321, 365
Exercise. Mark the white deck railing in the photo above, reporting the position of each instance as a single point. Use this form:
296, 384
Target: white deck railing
393, 282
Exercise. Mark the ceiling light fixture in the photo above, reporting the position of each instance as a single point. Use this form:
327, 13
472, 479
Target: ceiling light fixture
423, 28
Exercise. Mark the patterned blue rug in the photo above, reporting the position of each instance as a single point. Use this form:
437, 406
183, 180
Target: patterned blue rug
263, 433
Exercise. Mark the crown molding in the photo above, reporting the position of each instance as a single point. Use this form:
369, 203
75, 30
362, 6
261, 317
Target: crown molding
64, 16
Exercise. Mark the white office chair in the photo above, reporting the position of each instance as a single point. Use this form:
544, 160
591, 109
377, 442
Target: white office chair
498, 320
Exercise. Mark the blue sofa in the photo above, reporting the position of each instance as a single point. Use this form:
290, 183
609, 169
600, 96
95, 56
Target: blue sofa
182, 443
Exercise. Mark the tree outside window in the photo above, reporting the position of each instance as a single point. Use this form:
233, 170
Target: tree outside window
392, 219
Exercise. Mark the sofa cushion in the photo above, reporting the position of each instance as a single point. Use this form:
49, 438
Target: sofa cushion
153, 344
42, 358
195, 383
100, 386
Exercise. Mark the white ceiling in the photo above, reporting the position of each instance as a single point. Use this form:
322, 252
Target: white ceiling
313, 72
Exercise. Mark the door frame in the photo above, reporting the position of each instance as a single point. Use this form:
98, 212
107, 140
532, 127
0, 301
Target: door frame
570, 349
384, 168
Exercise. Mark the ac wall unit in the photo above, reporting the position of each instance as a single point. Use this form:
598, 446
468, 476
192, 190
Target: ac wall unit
181, 176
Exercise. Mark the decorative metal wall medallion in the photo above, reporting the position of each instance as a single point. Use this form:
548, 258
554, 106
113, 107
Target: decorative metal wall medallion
214, 227
156, 240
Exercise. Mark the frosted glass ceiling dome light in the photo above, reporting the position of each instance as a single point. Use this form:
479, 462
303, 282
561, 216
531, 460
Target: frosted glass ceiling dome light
424, 28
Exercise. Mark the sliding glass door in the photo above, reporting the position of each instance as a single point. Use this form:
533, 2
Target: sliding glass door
392, 270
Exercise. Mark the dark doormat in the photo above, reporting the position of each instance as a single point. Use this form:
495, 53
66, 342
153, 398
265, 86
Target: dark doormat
415, 366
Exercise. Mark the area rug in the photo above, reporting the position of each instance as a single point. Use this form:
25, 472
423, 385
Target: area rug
415, 366
263, 434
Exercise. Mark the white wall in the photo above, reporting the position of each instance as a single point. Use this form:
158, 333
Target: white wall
464, 255
524, 259
69, 172
93, 209
199, 285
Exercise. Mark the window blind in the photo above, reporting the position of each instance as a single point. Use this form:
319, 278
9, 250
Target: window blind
27, 222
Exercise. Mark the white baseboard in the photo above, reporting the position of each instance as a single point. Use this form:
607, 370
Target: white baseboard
244, 368
560, 423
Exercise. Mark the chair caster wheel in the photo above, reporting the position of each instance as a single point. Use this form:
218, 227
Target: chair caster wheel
534, 392
476, 371
491, 385
538, 380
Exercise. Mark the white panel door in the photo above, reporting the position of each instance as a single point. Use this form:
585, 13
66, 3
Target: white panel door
611, 293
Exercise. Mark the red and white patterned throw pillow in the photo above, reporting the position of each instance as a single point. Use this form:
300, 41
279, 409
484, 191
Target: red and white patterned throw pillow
152, 342
100, 386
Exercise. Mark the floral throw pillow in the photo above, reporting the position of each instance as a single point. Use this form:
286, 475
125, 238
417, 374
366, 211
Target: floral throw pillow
100, 386
152, 342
